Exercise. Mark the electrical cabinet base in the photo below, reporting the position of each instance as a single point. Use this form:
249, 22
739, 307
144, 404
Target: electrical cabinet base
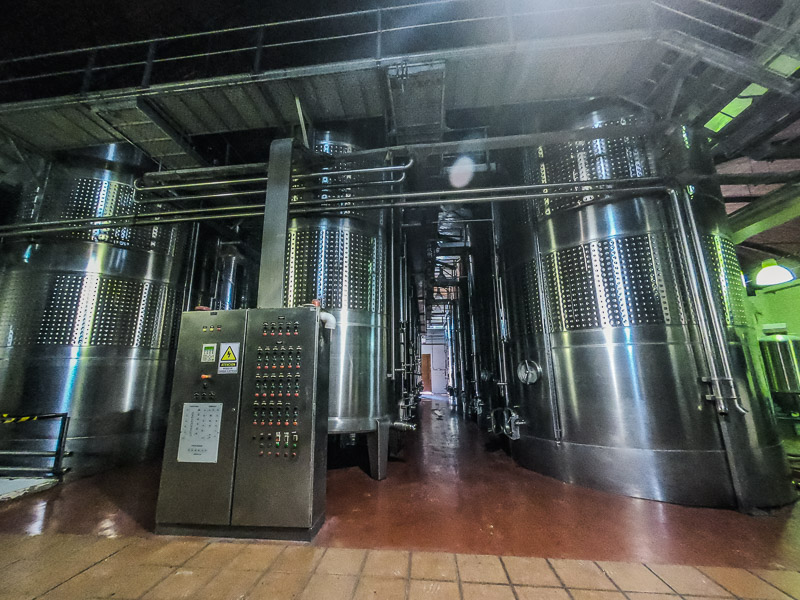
297, 534
246, 446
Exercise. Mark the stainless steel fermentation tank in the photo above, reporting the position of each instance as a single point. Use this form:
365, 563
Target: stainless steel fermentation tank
340, 260
605, 340
86, 317
781, 353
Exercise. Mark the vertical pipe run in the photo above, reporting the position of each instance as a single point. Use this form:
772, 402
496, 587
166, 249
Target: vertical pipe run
392, 297
476, 400
58, 462
555, 407
463, 387
276, 215
189, 287
500, 313
711, 332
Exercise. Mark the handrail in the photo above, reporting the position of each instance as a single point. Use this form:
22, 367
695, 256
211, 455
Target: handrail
304, 20
58, 454
363, 24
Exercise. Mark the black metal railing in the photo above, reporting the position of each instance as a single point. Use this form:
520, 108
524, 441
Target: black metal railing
53, 469
371, 34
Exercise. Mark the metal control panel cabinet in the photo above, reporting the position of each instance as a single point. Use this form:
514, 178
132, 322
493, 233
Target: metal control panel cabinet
198, 468
247, 436
281, 457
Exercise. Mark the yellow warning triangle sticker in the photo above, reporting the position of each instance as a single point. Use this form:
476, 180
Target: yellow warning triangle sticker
229, 355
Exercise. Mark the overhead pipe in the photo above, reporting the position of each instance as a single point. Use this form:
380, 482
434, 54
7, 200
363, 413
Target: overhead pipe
481, 199
137, 185
302, 177
262, 191
358, 201
257, 210
490, 190
424, 194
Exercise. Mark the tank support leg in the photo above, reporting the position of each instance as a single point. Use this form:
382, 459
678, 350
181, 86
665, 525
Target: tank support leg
378, 445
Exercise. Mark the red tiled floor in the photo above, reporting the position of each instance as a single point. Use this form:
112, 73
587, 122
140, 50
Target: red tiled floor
451, 492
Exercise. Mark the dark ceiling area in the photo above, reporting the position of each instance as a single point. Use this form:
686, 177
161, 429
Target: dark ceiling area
192, 84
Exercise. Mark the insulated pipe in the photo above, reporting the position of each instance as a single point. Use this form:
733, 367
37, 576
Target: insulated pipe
328, 320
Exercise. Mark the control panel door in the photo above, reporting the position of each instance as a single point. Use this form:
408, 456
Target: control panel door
276, 459
197, 474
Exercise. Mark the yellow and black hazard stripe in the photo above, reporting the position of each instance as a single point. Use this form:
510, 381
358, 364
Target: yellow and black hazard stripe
5, 419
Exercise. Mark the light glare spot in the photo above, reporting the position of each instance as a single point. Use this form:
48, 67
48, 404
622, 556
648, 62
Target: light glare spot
461, 172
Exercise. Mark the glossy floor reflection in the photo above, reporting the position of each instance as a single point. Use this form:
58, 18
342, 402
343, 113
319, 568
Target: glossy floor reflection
453, 490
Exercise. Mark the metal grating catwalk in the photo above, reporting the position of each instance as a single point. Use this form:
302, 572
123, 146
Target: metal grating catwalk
683, 60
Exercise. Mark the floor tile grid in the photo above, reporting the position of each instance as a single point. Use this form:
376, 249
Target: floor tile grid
673, 591
256, 581
570, 590
505, 570
722, 585
52, 544
640, 595
408, 576
358, 577
269, 571
130, 543
630, 595
458, 580
100, 560
175, 568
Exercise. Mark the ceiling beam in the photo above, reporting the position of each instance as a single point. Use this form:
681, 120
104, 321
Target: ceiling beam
771, 210
728, 61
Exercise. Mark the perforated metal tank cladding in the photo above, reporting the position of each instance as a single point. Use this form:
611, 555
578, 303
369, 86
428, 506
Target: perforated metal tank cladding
87, 317
598, 298
341, 261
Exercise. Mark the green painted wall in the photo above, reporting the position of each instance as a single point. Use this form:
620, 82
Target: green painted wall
779, 306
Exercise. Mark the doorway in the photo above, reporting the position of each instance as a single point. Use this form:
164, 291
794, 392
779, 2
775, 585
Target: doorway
426, 373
